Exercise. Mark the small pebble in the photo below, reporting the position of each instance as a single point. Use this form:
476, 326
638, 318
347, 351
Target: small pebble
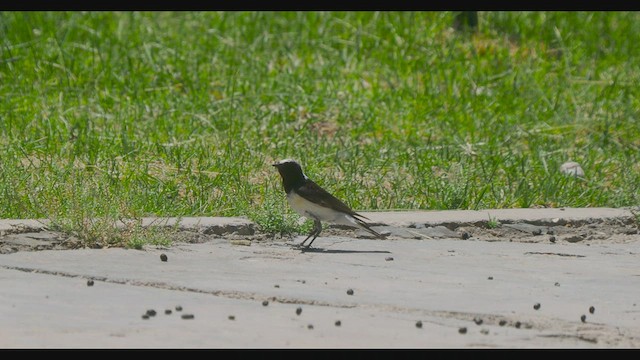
502, 322
465, 236
478, 321
178, 308
462, 330
163, 257
536, 306
310, 327
298, 311
490, 278
89, 282
389, 258
338, 323
583, 318
231, 317
265, 303
187, 316
517, 324
168, 312
350, 292
592, 309
552, 239
419, 324
151, 312
145, 316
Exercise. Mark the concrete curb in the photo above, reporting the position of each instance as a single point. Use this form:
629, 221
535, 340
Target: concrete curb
452, 219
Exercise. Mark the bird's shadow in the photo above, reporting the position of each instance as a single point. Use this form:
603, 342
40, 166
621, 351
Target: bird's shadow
305, 249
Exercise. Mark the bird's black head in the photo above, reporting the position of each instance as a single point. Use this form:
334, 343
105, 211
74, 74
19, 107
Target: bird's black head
291, 173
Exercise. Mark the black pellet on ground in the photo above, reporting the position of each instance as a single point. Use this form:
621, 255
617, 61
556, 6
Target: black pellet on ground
310, 327
583, 318
298, 311
276, 286
231, 317
419, 324
462, 330
536, 306
592, 309
151, 312
389, 258
502, 322
350, 292
517, 324
89, 282
178, 308
187, 316
537, 232
552, 239
490, 278
163, 257
338, 323
145, 316
168, 312
478, 321
465, 236
265, 303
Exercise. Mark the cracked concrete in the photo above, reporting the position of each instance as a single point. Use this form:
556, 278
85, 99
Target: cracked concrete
246, 296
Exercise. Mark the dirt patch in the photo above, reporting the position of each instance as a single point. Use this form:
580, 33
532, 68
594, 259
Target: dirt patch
612, 231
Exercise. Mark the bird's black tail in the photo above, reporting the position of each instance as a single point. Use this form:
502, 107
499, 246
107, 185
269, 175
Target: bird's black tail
366, 226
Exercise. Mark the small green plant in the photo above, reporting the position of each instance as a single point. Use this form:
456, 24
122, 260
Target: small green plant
493, 223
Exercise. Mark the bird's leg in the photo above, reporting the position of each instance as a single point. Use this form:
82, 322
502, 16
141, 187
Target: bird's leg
317, 229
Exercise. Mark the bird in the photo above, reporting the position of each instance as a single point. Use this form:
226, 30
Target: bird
310, 200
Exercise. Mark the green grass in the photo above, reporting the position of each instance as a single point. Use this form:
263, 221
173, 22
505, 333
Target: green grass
119, 115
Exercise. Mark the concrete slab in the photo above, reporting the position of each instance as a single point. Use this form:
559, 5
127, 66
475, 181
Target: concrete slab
487, 288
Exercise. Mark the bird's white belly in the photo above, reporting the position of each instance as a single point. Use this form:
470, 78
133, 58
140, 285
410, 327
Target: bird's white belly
308, 209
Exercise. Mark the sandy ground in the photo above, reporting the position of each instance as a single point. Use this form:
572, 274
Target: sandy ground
541, 278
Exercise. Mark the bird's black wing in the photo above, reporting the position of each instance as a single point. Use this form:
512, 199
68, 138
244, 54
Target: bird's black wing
314, 193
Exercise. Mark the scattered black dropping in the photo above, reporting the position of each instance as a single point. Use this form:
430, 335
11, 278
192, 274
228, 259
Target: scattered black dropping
231, 317
502, 322
537, 232
518, 324
484, 331
477, 320
187, 316
178, 308
298, 311
338, 323
592, 309
552, 239
462, 330
310, 327
145, 317
167, 311
583, 318
556, 284
419, 324
163, 257
350, 292
536, 306
550, 232
388, 258
89, 282
465, 236
265, 303
276, 286
151, 312
490, 278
